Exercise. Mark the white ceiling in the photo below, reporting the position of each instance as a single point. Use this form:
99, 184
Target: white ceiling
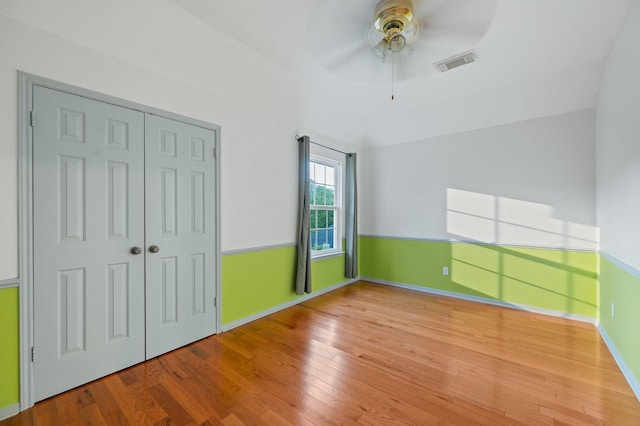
536, 58
310, 58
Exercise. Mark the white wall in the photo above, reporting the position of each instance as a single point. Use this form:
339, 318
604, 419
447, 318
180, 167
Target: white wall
255, 104
618, 146
528, 183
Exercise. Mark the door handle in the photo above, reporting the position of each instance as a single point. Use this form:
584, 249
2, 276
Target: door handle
136, 250
154, 248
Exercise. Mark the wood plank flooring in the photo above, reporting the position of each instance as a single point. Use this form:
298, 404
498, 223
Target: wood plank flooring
367, 354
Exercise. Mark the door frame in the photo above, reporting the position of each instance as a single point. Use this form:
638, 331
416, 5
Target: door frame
26, 83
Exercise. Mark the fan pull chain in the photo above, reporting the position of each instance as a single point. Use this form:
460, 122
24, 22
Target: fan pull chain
393, 65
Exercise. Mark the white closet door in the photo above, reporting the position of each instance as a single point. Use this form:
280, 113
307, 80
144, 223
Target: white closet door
180, 224
88, 208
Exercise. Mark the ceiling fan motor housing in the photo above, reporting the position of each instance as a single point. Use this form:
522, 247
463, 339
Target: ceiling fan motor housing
393, 16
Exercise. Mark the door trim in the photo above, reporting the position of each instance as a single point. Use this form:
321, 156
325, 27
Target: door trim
26, 83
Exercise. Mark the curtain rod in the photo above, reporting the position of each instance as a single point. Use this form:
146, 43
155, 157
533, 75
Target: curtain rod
324, 146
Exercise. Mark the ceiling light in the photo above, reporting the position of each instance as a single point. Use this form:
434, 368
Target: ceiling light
405, 52
380, 49
397, 43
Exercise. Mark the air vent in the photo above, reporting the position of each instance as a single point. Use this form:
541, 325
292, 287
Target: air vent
456, 61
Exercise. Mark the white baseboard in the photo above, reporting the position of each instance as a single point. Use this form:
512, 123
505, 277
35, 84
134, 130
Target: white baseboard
272, 310
617, 356
9, 411
486, 300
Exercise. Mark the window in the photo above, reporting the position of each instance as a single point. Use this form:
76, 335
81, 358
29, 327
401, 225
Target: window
325, 206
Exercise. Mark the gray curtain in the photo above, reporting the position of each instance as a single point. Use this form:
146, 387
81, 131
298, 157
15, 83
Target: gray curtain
303, 274
351, 219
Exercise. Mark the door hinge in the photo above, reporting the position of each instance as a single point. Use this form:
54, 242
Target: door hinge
214, 152
215, 302
33, 354
32, 119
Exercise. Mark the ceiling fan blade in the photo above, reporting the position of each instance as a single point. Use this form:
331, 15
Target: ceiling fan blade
446, 18
361, 67
430, 51
435, 7
345, 53
445, 41
447, 9
437, 30
335, 22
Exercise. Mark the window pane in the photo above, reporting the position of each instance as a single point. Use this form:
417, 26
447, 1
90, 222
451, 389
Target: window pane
331, 233
322, 196
314, 239
330, 176
330, 196
312, 219
330, 214
322, 219
322, 243
319, 173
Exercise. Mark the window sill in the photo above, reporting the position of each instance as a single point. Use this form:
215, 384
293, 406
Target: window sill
326, 255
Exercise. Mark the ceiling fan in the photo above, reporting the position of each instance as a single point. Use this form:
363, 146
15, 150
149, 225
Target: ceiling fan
349, 38
394, 28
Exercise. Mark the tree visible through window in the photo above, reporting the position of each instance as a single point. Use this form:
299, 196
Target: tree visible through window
324, 206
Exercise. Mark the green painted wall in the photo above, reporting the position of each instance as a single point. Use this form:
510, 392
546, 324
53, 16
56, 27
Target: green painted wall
259, 280
560, 280
251, 283
9, 351
622, 288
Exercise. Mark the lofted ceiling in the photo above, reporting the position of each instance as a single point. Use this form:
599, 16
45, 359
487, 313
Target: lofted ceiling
535, 58
310, 59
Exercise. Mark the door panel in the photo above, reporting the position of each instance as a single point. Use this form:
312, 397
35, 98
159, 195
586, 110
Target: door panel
88, 203
180, 194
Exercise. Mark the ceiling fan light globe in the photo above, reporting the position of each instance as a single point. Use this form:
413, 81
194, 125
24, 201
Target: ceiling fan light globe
397, 43
380, 50
406, 52
411, 31
375, 36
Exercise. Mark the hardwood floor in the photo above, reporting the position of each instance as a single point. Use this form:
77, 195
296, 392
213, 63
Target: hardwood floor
369, 355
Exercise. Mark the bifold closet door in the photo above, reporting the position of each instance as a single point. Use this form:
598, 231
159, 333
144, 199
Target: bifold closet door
180, 230
88, 204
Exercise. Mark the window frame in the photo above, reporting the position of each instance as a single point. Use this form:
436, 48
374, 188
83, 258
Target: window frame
336, 208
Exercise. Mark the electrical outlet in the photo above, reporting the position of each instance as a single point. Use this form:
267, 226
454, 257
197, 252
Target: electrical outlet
445, 270
613, 310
